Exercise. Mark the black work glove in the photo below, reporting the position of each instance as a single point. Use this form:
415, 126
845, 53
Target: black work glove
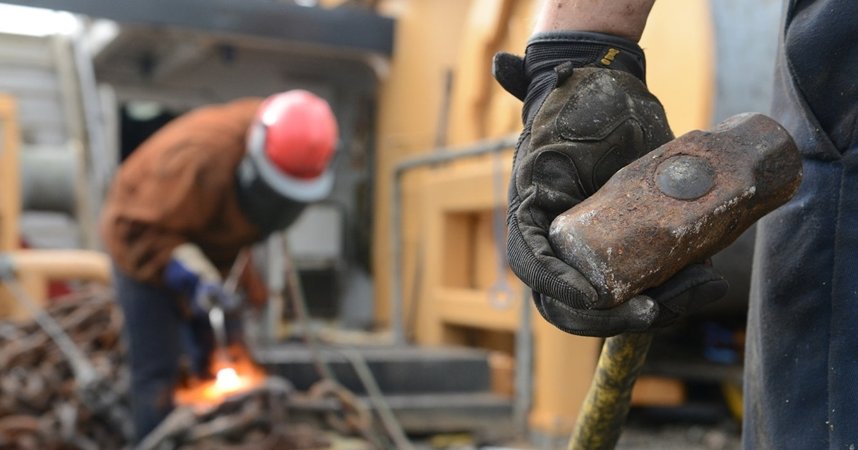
587, 113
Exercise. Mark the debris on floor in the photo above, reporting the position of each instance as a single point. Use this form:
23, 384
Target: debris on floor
44, 407
256, 419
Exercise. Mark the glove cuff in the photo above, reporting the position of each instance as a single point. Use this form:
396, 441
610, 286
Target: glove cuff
548, 54
545, 51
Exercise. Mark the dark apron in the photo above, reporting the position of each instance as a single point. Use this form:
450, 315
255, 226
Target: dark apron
801, 365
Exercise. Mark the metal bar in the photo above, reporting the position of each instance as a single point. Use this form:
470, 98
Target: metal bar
230, 285
95, 158
275, 275
217, 320
376, 398
299, 303
348, 28
72, 97
435, 157
217, 316
523, 365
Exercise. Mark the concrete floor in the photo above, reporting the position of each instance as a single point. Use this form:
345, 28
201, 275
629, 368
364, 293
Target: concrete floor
689, 437
637, 437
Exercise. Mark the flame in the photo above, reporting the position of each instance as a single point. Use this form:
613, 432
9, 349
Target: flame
227, 379
234, 375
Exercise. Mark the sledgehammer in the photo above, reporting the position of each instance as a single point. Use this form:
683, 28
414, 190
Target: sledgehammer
679, 204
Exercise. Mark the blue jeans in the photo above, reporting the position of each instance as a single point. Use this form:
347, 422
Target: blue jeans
801, 363
158, 335
152, 329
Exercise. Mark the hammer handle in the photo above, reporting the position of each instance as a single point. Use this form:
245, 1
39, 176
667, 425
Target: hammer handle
604, 410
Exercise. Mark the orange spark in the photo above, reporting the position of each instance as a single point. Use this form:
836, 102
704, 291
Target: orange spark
234, 375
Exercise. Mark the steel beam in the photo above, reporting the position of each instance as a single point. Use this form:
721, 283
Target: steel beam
346, 28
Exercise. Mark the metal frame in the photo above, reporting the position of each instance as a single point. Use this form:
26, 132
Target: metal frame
347, 28
431, 158
524, 339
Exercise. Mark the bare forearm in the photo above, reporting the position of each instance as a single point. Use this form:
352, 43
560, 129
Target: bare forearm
624, 18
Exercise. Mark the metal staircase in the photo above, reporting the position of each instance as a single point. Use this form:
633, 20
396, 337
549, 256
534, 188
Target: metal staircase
429, 390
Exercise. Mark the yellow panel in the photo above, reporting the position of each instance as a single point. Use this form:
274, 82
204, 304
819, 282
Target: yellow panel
658, 391
680, 47
10, 184
487, 22
503, 374
473, 308
427, 38
413, 94
10, 196
486, 248
563, 367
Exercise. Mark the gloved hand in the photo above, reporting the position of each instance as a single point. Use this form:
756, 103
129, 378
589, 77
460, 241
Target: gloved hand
587, 113
208, 295
191, 275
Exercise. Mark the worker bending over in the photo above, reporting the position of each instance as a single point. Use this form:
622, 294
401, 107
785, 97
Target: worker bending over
183, 206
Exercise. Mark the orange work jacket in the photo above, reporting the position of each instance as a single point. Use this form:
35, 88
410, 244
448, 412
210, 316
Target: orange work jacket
177, 187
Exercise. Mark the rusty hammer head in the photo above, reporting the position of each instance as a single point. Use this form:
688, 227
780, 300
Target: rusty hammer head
679, 204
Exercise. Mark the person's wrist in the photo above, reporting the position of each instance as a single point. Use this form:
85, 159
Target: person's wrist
626, 18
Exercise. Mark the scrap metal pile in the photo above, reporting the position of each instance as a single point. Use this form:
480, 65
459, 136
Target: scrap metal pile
252, 420
44, 407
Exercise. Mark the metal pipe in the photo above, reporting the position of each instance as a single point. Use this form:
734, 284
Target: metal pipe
62, 264
97, 164
275, 268
436, 157
523, 365
48, 180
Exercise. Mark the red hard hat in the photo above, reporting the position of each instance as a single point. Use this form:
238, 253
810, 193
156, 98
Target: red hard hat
300, 132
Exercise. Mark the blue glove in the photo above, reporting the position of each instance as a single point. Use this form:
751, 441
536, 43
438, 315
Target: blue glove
201, 295
180, 279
